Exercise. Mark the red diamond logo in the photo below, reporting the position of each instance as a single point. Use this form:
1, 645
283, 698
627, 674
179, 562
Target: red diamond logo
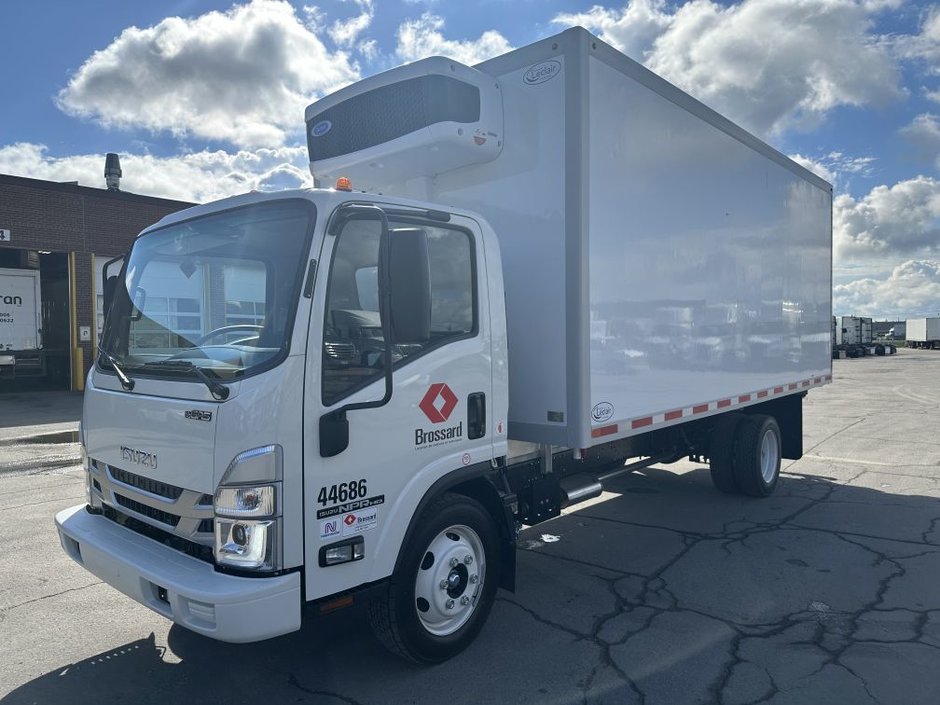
438, 403
350, 519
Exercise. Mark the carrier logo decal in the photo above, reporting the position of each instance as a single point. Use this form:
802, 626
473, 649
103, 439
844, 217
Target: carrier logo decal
321, 128
602, 411
438, 403
539, 73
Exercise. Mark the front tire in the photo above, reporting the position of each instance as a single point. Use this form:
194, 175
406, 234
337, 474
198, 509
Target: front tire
444, 587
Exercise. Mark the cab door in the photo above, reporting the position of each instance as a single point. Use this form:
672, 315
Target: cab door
359, 496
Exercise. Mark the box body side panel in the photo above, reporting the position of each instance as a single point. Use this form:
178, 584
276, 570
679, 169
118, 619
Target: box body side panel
522, 195
709, 261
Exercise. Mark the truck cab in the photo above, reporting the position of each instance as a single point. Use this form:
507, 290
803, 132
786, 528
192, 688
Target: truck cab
236, 420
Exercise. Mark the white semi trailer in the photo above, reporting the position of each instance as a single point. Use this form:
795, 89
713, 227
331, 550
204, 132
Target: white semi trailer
554, 263
923, 333
21, 352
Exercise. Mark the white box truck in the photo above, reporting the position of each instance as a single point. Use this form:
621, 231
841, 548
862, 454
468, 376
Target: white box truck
21, 353
923, 333
556, 268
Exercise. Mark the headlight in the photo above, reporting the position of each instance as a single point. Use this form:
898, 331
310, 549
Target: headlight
247, 511
254, 501
251, 545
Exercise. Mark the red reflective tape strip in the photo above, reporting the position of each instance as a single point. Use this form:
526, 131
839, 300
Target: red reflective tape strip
671, 415
640, 423
828, 378
701, 408
743, 398
778, 390
761, 395
723, 403
603, 431
805, 383
792, 386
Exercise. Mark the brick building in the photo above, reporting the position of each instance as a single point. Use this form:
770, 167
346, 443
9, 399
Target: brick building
67, 232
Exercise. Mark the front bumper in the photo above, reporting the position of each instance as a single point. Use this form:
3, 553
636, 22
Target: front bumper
181, 588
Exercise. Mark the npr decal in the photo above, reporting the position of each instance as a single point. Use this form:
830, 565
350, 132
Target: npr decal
356, 506
438, 404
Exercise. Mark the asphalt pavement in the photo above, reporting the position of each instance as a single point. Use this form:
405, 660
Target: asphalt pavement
662, 590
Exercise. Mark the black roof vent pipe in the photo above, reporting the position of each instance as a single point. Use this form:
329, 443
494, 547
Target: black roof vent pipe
112, 171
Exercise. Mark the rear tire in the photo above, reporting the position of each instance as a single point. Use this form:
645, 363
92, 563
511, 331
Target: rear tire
437, 599
757, 454
721, 453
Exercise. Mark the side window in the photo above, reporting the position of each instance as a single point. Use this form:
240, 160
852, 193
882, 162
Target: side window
353, 339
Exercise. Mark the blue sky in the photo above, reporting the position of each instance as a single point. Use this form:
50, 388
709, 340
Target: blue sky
205, 99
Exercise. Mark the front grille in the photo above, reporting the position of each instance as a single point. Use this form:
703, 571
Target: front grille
183, 513
149, 512
156, 487
202, 552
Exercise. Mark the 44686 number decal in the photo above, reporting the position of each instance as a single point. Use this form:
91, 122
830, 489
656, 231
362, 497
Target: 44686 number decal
343, 492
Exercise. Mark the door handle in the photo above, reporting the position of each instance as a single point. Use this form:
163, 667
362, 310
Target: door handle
476, 415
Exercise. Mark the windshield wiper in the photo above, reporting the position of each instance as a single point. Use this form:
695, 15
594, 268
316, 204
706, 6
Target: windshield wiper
126, 382
218, 390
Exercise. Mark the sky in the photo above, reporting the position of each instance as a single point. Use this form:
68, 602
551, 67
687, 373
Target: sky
204, 99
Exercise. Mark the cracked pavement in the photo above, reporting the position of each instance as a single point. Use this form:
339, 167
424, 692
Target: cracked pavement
662, 590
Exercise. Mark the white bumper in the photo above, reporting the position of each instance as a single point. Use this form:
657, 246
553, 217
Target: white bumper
223, 607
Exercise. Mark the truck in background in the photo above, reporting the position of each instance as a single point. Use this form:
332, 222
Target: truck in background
21, 344
923, 333
548, 251
852, 337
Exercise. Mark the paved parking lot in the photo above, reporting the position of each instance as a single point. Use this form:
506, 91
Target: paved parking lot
661, 591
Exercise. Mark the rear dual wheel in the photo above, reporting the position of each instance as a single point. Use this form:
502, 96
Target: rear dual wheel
746, 454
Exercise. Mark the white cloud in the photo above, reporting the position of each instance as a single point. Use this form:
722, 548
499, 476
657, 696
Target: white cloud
345, 32
244, 76
903, 219
924, 134
814, 166
932, 95
911, 290
770, 65
633, 29
926, 45
422, 37
198, 177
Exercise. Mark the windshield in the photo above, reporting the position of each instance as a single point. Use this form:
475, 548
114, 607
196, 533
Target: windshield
217, 293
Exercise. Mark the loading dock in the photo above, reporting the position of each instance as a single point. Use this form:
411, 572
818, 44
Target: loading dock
66, 232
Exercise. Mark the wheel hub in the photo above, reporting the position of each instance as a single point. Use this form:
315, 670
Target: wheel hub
449, 580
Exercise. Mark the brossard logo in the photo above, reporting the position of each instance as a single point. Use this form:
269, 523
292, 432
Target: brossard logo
11, 300
438, 404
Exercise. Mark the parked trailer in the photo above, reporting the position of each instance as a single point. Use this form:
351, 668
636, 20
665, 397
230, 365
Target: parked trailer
923, 333
21, 351
854, 336
558, 263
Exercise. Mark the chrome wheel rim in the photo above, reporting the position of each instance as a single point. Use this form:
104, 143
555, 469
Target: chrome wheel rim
449, 580
769, 456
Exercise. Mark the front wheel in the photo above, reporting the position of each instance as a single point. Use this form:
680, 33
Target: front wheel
445, 585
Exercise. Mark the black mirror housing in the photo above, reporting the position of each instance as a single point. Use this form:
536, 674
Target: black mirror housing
409, 286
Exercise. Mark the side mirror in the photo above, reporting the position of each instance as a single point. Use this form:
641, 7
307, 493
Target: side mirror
107, 288
408, 282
